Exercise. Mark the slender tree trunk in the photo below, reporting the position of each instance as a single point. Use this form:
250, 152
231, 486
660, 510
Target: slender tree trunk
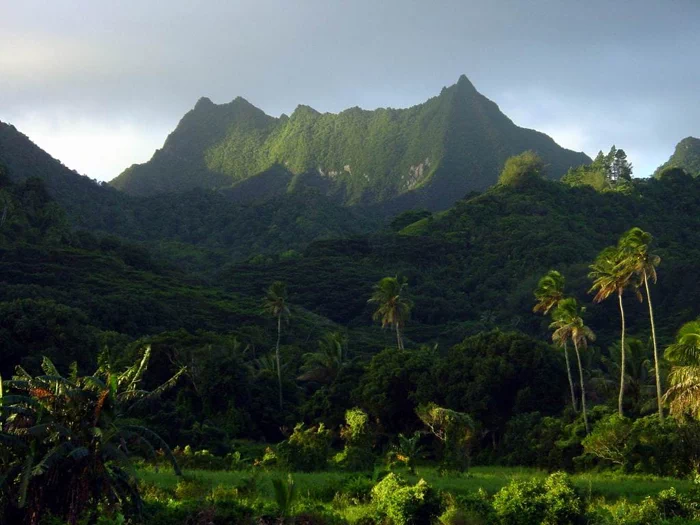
571, 380
583, 388
398, 336
656, 354
277, 355
622, 355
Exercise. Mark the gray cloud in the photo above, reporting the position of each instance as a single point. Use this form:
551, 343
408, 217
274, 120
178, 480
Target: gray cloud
100, 84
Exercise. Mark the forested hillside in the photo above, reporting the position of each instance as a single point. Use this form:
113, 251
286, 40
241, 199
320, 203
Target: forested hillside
686, 156
281, 336
428, 155
198, 229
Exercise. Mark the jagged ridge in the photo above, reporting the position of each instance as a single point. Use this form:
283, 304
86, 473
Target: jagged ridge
432, 153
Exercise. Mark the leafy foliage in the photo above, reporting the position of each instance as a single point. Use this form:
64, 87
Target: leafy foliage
404, 504
306, 449
65, 442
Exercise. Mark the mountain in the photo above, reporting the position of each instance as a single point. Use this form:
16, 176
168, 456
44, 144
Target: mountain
249, 218
88, 203
686, 156
428, 155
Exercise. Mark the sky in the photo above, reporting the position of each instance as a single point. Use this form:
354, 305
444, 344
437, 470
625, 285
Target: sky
100, 84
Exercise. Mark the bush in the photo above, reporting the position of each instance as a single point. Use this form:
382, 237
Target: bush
455, 432
404, 504
191, 488
358, 489
609, 440
357, 454
646, 445
521, 170
305, 450
553, 501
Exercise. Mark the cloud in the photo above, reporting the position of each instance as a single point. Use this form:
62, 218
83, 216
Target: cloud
588, 73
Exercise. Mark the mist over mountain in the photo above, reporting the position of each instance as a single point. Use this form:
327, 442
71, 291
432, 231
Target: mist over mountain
428, 155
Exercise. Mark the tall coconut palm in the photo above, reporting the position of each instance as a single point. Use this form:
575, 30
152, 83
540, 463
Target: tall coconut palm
276, 305
684, 390
393, 307
549, 291
568, 325
637, 261
609, 277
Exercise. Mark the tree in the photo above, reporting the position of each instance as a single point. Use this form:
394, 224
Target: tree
568, 325
393, 307
324, 365
549, 292
522, 169
276, 305
66, 442
635, 260
684, 389
455, 431
620, 168
610, 278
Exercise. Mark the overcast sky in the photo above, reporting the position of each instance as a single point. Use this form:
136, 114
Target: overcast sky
100, 84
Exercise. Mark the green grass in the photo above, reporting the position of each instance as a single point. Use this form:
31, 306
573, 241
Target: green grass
323, 485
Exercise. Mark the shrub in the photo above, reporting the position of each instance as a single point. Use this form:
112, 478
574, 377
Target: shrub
404, 504
457, 516
521, 170
191, 488
305, 450
670, 504
358, 489
406, 451
285, 494
455, 431
609, 440
357, 434
553, 501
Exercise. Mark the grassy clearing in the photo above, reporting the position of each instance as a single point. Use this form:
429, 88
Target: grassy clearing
322, 486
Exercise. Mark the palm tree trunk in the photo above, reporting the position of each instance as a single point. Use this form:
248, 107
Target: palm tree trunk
656, 354
622, 355
398, 336
583, 388
571, 380
277, 355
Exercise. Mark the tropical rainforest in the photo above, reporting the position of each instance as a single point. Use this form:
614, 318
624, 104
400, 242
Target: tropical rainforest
398, 316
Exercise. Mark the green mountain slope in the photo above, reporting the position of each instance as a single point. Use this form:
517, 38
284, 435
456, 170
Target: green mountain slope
475, 266
89, 204
431, 153
66, 294
253, 217
686, 156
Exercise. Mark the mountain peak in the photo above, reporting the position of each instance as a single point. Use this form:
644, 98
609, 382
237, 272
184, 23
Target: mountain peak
430, 153
465, 84
203, 102
686, 155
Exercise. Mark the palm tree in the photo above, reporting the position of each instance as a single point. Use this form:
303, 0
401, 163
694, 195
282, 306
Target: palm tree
637, 261
609, 278
324, 365
549, 292
276, 305
393, 306
684, 391
568, 325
